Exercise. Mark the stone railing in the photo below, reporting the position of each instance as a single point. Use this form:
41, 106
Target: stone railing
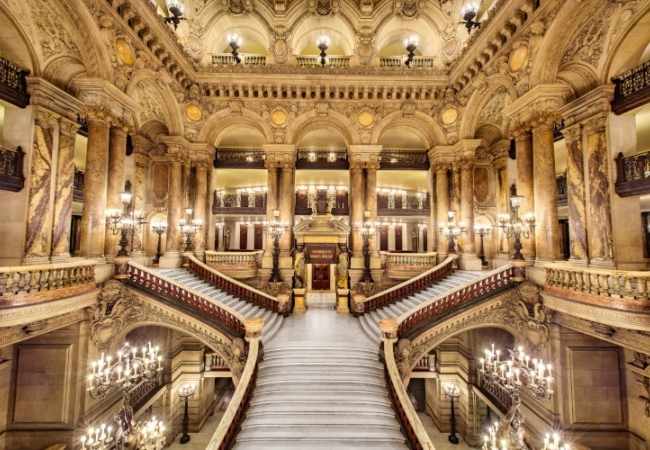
627, 290
234, 287
395, 204
314, 61
11, 169
20, 285
238, 265
404, 266
489, 284
169, 289
399, 61
226, 59
408, 417
404, 289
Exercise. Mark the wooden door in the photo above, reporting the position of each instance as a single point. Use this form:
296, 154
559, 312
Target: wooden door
321, 277
243, 236
257, 245
383, 238
398, 238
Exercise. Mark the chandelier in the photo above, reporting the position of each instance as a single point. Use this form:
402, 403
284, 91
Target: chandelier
451, 230
124, 222
177, 10
323, 44
468, 14
189, 227
517, 227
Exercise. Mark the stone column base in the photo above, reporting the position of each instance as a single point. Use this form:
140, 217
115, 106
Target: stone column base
34, 260
469, 261
299, 301
342, 301
170, 260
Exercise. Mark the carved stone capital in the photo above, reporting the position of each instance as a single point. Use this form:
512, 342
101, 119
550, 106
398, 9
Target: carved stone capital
45, 118
596, 102
280, 155
52, 98
68, 127
538, 107
101, 100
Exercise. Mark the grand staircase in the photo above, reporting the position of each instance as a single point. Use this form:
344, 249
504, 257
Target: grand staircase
272, 320
370, 321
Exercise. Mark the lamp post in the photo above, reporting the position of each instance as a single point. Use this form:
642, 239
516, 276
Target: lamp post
235, 42
468, 14
185, 392
276, 229
159, 228
323, 43
366, 231
411, 44
451, 230
177, 10
189, 227
452, 391
513, 225
481, 231
124, 222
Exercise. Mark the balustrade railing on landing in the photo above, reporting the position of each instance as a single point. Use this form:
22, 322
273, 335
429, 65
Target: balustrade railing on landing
630, 289
489, 284
169, 289
407, 288
234, 287
29, 284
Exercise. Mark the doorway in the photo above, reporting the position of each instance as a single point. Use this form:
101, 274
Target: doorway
321, 277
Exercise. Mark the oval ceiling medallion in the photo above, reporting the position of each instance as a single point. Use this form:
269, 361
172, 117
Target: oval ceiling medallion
278, 117
365, 118
449, 116
518, 58
124, 52
194, 112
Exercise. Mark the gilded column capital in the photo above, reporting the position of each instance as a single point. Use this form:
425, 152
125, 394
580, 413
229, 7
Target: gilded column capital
443, 167
45, 118
596, 102
572, 133
280, 155
68, 127
50, 97
102, 101
365, 155
539, 107
595, 124
500, 151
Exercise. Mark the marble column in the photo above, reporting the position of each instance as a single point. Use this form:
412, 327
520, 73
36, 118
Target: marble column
63, 190
576, 195
432, 224
524, 152
139, 201
466, 189
39, 208
442, 197
200, 211
93, 223
357, 191
501, 169
272, 197
545, 193
371, 200
115, 185
174, 200
287, 200
454, 192
599, 233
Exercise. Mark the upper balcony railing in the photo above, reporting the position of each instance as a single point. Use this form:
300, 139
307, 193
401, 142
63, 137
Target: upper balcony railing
13, 83
249, 202
632, 89
306, 199
632, 174
404, 159
314, 61
11, 169
241, 158
322, 159
417, 62
226, 59
391, 204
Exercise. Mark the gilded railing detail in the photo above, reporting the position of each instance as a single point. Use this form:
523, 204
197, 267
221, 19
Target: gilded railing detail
13, 83
11, 169
632, 88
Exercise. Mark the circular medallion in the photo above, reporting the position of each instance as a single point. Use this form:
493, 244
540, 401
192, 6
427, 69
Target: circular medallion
280, 47
518, 58
365, 118
195, 43
450, 47
278, 117
124, 52
194, 112
449, 116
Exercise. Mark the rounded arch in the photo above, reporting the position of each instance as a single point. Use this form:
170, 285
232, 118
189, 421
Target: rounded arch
580, 77
147, 80
240, 135
496, 85
423, 125
62, 70
15, 45
307, 31
394, 31
250, 28
310, 121
489, 133
628, 51
152, 129
215, 127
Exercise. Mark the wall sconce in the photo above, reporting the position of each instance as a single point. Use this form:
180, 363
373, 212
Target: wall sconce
235, 42
410, 44
323, 44
177, 10
468, 14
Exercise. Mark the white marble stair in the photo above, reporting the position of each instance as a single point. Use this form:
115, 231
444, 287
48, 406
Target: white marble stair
370, 321
320, 397
272, 320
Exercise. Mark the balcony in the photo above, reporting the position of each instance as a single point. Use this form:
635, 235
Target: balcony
13, 84
418, 62
11, 169
239, 158
632, 89
336, 200
632, 174
404, 159
399, 203
322, 159
226, 59
245, 201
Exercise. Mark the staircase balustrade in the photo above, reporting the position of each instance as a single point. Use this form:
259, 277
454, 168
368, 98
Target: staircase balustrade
234, 287
237, 264
600, 286
45, 282
490, 284
166, 287
406, 288
408, 265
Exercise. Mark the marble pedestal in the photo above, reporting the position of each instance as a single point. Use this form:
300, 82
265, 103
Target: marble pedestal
170, 260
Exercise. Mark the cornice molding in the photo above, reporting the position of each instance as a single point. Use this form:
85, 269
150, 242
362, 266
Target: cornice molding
45, 94
596, 102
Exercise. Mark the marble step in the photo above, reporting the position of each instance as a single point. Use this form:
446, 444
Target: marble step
316, 433
311, 444
349, 390
318, 397
305, 365
308, 408
339, 419
312, 356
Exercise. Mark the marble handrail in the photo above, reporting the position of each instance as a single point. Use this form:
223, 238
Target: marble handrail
227, 428
411, 259
236, 259
166, 287
607, 283
236, 288
28, 284
492, 282
411, 424
406, 288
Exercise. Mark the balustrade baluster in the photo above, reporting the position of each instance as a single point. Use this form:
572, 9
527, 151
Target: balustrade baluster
627, 283
21, 282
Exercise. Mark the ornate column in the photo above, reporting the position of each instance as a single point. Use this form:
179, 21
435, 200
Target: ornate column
371, 198
545, 186
174, 200
39, 208
432, 222
599, 233
287, 205
141, 148
576, 195
116, 177
272, 196
200, 210
442, 197
467, 205
357, 190
454, 188
524, 155
93, 223
500, 164
63, 190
